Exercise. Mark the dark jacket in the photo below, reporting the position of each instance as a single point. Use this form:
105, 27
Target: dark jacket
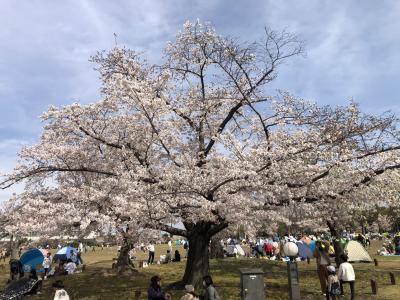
155, 293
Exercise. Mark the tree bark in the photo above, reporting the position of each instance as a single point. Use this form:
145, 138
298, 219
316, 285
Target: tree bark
124, 263
199, 236
197, 264
336, 242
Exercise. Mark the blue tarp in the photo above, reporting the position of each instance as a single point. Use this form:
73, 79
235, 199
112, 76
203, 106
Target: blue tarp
304, 250
312, 246
31, 259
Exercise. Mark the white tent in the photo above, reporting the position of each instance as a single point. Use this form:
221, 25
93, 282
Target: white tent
356, 252
231, 250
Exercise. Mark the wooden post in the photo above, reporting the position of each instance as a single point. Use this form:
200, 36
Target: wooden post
392, 278
374, 287
376, 262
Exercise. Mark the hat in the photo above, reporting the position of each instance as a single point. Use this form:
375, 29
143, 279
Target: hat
189, 288
331, 269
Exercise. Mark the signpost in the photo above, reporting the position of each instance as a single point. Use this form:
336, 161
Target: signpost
293, 280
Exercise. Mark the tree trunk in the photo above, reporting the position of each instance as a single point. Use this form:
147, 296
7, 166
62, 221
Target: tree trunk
336, 242
124, 263
197, 265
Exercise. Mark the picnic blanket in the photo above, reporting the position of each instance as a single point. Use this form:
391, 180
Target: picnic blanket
18, 288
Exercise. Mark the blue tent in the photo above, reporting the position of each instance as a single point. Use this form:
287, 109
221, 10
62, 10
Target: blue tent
31, 259
65, 253
304, 250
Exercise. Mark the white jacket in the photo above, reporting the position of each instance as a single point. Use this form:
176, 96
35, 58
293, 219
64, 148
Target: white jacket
346, 272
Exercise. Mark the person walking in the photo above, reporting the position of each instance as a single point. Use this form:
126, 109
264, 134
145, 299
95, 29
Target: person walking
152, 251
346, 275
323, 260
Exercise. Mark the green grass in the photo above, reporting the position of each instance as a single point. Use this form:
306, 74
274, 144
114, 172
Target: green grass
97, 283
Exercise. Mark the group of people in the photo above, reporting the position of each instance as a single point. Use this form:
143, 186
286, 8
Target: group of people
331, 282
164, 259
155, 291
390, 247
65, 266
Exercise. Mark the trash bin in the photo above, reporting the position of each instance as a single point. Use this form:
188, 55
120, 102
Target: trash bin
252, 284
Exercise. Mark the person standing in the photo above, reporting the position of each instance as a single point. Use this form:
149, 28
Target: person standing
152, 251
186, 247
47, 264
170, 246
333, 287
346, 275
80, 248
323, 260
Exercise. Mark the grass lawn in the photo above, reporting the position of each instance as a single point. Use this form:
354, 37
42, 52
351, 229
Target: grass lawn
97, 283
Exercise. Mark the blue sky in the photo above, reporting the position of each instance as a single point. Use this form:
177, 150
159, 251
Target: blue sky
352, 51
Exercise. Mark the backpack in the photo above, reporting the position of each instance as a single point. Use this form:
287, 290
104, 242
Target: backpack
335, 288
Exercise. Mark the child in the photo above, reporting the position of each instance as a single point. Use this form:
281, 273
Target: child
60, 293
333, 286
47, 264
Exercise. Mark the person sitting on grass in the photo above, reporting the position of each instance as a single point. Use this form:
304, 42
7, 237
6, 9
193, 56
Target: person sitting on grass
211, 292
155, 292
168, 257
70, 267
60, 293
177, 256
190, 294
346, 275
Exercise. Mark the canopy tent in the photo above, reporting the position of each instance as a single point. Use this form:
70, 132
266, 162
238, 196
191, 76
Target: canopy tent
356, 252
32, 260
230, 249
65, 253
304, 250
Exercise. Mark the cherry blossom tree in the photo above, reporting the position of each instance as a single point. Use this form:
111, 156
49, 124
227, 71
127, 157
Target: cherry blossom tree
200, 140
